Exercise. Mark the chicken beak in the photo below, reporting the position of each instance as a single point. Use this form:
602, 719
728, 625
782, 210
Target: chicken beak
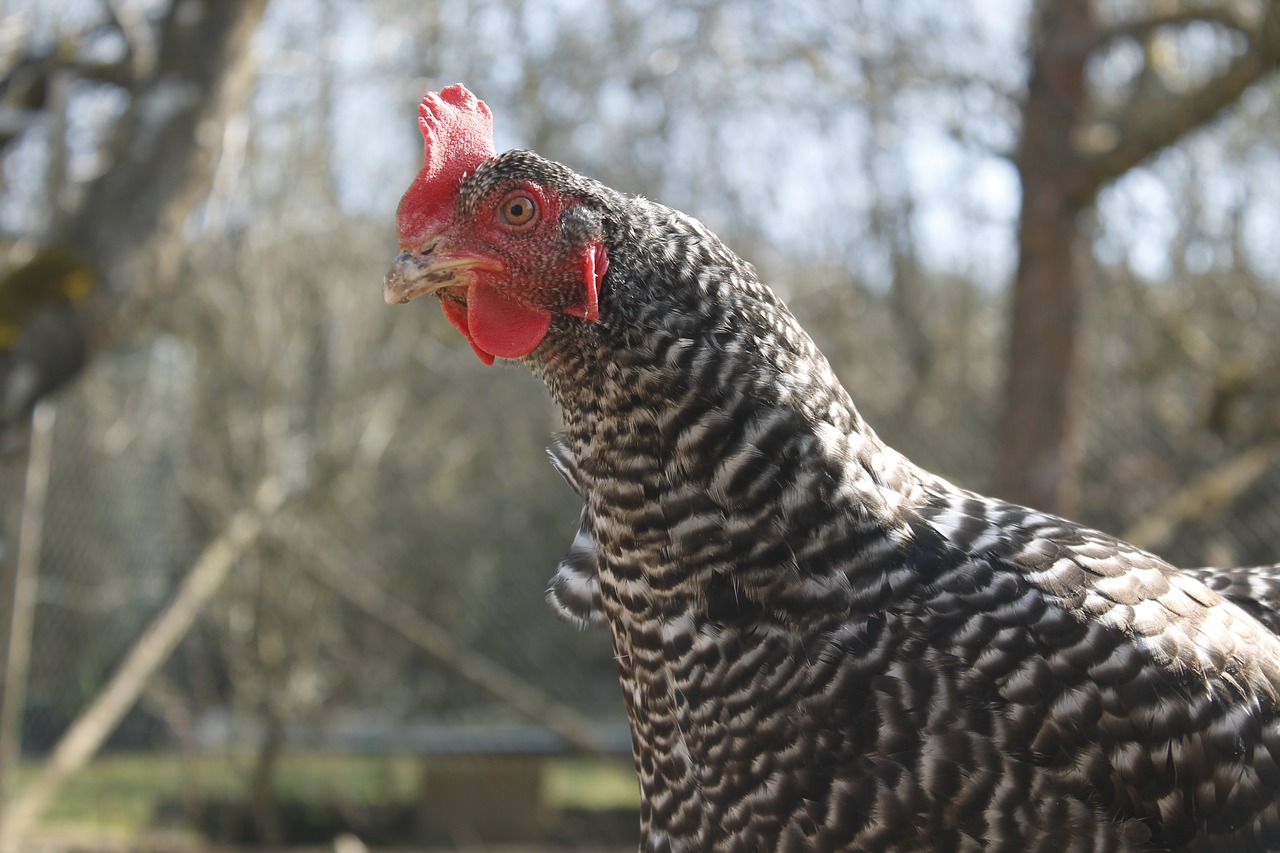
419, 273
412, 275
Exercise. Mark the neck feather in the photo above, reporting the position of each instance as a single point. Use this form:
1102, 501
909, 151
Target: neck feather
708, 432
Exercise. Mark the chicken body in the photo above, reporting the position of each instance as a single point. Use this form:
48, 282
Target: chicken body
822, 647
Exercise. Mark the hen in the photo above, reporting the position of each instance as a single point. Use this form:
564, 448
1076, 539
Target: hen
821, 646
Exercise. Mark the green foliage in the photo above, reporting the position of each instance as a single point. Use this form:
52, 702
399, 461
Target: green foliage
54, 275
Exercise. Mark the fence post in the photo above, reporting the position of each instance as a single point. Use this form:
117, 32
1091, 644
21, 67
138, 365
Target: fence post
16, 623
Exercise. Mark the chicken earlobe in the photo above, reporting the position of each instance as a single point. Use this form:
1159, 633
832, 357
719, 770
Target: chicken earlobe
595, 264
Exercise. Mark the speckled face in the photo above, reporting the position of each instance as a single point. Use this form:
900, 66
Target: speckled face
505, 242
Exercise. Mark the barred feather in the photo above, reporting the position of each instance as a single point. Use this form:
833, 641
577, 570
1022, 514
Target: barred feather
823, 647
1256, 590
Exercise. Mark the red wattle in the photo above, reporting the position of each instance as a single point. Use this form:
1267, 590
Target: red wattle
495, 326
456, 314
502, 327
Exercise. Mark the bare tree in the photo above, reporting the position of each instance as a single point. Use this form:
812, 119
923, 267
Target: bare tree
123, 226
1072, 144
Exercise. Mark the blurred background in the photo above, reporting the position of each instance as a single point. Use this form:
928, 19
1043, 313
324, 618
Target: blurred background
274, 554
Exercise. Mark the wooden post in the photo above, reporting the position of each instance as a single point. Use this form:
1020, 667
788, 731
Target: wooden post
15, 628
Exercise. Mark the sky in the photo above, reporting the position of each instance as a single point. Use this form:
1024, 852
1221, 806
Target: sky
805, 163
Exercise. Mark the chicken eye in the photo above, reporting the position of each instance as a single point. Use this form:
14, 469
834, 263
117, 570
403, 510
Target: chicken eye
518, 210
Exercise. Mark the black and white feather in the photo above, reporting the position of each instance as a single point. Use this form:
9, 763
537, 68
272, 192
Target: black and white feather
1256, 590
823, 647
574, 592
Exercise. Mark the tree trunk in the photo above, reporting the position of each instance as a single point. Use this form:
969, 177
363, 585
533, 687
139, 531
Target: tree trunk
1063, 163
128, 225
164, 158
1039, 429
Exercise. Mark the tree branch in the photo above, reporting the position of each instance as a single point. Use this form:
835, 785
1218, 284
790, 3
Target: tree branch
1208, 495
131, 214
1141, 29
1143, 132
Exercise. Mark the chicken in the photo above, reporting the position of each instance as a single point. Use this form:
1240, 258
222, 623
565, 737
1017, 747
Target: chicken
1256, 589
820, 645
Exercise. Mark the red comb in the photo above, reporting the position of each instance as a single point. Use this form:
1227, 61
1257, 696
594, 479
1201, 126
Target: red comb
457, 128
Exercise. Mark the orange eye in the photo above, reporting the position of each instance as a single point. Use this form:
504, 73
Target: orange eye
518, 210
